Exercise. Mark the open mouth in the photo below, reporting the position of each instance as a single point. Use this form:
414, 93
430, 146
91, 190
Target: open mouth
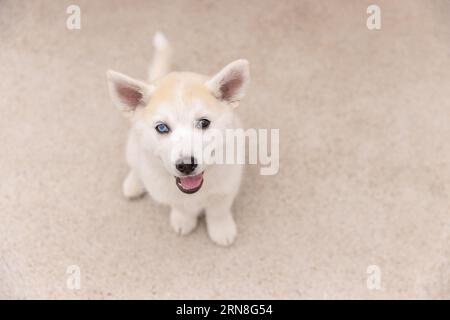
190, 184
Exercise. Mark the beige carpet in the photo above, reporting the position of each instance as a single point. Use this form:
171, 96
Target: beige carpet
364, 179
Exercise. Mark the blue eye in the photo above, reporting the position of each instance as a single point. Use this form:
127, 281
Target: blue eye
162, 128
202, 124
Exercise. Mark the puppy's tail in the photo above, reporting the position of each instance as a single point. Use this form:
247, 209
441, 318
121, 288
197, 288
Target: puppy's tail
162, 57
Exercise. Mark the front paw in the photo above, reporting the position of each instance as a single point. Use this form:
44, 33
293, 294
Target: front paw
132, 187
221, 229
182, 223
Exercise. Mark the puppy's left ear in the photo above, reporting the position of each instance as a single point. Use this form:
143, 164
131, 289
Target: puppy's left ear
231, 82
127, 93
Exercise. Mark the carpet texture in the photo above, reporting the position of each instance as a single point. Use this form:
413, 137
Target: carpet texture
364, 119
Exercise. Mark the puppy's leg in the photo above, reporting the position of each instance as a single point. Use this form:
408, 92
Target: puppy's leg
220, 223
183, 222
132, 186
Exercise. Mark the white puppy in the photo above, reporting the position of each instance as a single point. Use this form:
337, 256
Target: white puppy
166, 113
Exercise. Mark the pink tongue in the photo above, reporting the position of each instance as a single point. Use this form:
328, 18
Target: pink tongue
193, 182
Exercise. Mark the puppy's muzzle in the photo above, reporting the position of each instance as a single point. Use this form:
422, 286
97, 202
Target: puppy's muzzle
186, 165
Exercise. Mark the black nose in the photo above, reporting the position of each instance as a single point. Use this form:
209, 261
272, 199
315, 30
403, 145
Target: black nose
186, 165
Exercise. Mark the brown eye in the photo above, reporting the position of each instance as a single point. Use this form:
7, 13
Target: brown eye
202, 124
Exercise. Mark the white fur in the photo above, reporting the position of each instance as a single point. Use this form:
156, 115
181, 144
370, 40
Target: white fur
162, 57
149, 154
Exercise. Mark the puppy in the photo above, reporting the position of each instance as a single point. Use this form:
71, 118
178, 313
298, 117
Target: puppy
166, 113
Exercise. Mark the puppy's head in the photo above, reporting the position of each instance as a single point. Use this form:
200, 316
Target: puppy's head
179, 116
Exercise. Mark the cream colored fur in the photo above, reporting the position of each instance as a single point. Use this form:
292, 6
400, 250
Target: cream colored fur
179, 98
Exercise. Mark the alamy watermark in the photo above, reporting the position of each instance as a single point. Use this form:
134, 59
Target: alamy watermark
373, 281
73, 281
232, 146
73, 21
374, 20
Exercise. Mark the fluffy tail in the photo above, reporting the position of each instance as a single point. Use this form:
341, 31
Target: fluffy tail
162, 57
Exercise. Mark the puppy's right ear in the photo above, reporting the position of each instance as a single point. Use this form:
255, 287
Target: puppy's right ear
127, 93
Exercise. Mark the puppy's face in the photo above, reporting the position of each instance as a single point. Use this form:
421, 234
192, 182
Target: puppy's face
181, 115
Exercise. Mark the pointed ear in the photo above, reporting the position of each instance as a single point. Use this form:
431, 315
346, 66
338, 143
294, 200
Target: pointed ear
127, 93
231, 82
